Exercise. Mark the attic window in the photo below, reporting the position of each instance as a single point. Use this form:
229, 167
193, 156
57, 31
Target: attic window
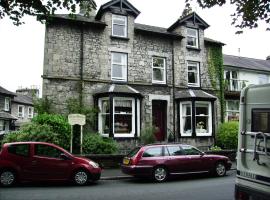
192, 38
119, 26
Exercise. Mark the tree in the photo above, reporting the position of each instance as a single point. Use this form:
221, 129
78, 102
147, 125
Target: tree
17, 9
248, 12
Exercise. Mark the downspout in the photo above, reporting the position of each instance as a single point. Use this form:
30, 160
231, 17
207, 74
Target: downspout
81, 68
173, 93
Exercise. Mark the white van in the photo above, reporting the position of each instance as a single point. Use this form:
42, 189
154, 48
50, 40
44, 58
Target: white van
253, 156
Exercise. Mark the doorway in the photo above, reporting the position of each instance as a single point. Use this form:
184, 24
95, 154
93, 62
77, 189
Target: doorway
159, 116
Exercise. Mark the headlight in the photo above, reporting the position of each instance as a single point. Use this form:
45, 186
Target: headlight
93, 164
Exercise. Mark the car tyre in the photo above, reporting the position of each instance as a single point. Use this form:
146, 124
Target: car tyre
160, 174
81, 177
220, 169
7, 178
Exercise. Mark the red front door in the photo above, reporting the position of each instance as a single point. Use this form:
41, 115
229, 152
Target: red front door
159, 116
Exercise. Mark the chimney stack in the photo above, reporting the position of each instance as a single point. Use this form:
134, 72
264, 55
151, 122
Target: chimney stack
88, 5
268, 58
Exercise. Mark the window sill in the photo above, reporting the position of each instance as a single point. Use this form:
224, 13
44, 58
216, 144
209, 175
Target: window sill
193, 86
159, 84
193, 48
120, 38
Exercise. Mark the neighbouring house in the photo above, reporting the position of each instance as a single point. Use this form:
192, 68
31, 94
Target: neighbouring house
238, 73
23, 106
7, 120
138, 75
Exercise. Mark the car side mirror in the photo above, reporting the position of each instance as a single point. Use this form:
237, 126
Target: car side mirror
64, 156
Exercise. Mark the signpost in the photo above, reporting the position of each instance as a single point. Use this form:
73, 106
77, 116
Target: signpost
74, 119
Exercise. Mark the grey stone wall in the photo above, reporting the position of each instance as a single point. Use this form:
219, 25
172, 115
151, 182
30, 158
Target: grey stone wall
61, 75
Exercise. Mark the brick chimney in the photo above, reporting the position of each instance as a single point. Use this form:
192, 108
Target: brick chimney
88, 4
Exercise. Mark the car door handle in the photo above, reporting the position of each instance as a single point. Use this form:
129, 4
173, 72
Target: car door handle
34, 162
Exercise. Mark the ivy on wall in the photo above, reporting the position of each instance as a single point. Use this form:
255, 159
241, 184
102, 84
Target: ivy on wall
216, 74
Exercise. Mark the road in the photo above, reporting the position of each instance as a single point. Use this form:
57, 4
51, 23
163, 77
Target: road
185, 187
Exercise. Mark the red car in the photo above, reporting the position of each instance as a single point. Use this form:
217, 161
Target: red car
160, 161
39, 161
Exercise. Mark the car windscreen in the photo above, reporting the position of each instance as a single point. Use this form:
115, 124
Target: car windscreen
133, 152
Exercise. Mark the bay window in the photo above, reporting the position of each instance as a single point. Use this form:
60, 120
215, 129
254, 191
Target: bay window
196, 118
119, 26
119, 66
122, 119
159, 70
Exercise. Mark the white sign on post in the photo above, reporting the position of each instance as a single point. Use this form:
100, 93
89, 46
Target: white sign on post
74, 119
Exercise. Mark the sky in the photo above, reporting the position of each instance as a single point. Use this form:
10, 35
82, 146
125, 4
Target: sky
22, 48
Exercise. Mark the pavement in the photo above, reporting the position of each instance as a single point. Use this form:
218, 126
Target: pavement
117, 174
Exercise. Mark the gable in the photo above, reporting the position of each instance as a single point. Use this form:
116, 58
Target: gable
119, 7
192, 18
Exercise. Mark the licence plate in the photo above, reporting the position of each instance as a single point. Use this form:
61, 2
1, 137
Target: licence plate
126, 161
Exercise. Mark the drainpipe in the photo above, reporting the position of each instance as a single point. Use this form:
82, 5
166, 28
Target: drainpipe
173, 94
81, 67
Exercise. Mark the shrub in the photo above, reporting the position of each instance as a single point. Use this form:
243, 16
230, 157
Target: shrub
227, 135
32, 132
95, 144
147, 134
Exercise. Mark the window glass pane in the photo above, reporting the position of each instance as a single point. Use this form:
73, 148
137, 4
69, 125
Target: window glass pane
260, 121
105, 106
191, 150
186, 109
201, 109
117, 58
119, 30
153, 152
47, 151
193, 72
1, 125
122, 116
233, 105
19, 149
192, 77
187, 124
158, 74
186, 118
175, 150
117, 71
158, 62
202, 118
191, 41
234, 74
105, 123
119, 20
192, 32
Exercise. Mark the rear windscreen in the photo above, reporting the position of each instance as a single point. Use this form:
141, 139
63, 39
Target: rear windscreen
133, 152
261, 120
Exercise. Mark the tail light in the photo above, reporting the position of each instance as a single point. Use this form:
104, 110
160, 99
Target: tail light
134, 160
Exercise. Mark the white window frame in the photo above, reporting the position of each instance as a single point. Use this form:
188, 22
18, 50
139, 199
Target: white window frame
126, 135
197, 65
231, 80
161, 68
2, 125
183, 134
123, 64
119, 17
30, 112
20, 114
209, 118
7, 104
191, 36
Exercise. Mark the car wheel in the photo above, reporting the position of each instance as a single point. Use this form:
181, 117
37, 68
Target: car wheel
160, 174
7, 178
220, 169
81, 177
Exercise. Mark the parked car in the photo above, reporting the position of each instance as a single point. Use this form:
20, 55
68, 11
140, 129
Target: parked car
160, 161
40, 161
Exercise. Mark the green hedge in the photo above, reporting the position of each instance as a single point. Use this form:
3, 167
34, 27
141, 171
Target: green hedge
227, 135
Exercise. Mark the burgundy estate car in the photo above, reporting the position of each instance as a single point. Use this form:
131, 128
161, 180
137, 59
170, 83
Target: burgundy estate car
161, 160
39, 161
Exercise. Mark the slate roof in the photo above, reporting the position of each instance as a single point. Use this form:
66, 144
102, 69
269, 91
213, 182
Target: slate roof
246, 63
117, 89
157, 30
4, 91
23, 99
5, 115
192, 94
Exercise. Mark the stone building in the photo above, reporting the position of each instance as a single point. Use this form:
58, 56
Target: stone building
138, 75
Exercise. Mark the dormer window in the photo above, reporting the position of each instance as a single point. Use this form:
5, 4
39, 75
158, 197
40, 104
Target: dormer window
192, 38
119, 26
